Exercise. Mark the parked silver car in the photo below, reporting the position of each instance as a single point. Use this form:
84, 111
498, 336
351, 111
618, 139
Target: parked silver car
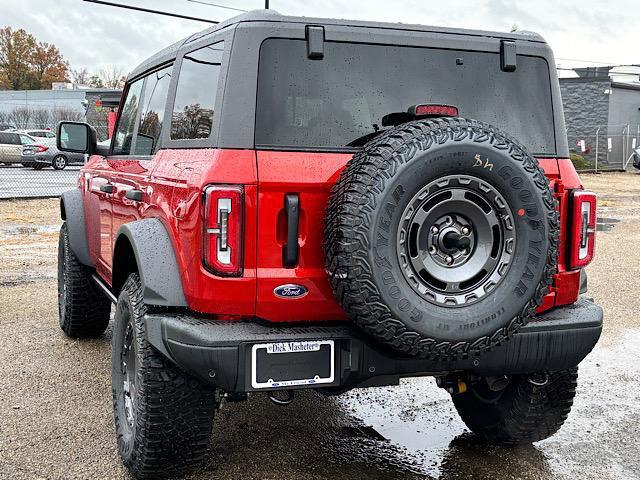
11, 146
44, 152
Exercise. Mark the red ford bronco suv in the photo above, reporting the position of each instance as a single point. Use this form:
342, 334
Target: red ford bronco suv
294, 203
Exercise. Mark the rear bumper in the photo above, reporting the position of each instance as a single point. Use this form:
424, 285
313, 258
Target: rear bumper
220, 352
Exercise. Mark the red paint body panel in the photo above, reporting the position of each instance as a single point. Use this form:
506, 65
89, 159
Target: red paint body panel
172, 182
311, 176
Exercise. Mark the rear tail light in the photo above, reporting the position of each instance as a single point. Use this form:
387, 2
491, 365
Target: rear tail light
583, 229
41, 148
223, 219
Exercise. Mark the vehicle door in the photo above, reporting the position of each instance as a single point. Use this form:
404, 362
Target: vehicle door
133, 163
100, 179
12, 149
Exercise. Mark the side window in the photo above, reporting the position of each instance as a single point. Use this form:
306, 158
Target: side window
126, 123
5, 139
25, 140
192, 115
152, 111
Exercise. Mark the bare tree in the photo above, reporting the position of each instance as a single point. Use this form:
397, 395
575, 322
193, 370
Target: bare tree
63, 113
20, 116
41, 117
111, 76
80, 76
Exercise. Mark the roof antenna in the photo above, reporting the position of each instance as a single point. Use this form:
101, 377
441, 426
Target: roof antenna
266, 4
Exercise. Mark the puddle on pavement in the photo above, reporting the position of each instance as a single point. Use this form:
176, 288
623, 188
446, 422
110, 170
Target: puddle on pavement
8, 230
418, 419
606, 224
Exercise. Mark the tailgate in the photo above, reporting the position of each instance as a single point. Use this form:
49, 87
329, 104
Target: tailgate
309, 176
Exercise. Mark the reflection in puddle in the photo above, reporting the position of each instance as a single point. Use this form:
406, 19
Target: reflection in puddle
419, 419
606, 224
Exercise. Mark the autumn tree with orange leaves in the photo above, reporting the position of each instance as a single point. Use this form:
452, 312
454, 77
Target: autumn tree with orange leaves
26, 64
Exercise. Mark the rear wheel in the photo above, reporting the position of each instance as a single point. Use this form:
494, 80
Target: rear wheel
530, 408
84, 310
163, 416
59, 162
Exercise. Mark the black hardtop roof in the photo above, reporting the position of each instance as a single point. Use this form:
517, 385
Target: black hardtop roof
274, 16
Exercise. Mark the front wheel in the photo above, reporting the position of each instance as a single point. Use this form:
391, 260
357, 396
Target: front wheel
530, 408
84, 310
163, 416
59, 162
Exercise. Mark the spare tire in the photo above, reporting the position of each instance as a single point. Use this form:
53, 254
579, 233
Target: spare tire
441, 237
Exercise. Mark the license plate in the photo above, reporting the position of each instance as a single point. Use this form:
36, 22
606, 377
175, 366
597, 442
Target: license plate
289, 364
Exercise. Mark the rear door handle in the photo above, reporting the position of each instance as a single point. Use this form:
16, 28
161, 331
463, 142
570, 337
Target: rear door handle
290, 250
135, 195
107, 188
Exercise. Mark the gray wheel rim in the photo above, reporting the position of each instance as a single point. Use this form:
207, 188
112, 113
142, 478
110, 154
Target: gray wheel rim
59, 161
456, 240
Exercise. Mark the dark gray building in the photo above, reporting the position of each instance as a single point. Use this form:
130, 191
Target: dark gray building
602, 114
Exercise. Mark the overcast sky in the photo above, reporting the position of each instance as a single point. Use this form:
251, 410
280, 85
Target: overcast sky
92, 36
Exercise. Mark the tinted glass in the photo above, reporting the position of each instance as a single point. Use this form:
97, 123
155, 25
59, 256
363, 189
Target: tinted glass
152, 114
73, 136
196, 93
5, 138
335, 101
126, 122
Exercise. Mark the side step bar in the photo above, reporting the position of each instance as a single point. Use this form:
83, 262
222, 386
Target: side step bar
103, 286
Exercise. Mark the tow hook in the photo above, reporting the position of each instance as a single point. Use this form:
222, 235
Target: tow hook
281, 397
497, 384
453, 385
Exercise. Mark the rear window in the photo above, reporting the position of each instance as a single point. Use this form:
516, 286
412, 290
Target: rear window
331, 103
192, 116
9, 139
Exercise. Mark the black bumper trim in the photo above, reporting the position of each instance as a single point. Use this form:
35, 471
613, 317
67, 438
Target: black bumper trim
219, 352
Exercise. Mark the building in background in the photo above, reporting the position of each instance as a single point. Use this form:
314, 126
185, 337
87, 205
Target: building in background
602, 114
45, 108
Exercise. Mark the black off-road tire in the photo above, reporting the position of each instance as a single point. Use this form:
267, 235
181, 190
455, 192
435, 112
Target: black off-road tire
527, 411
365, 210
172, 413
84, 310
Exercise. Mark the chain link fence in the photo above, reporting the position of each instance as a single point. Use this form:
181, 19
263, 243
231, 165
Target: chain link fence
604, 147
31, 166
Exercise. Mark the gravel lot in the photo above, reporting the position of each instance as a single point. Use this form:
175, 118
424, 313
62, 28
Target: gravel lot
55, 408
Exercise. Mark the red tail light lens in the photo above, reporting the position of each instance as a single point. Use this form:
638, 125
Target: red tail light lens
42, 148
434, 110
583, 229
222, 229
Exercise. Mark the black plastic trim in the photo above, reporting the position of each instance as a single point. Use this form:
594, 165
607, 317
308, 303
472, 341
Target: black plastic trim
156, 262
219, 352
72, 212
290, 250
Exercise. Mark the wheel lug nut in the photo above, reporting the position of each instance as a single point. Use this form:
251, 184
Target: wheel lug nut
449, 259
465, 230
435, 229
432, 250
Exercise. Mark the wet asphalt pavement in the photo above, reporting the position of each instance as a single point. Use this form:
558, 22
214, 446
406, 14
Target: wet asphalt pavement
56, 418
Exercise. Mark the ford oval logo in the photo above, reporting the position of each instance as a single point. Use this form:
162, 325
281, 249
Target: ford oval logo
290, 290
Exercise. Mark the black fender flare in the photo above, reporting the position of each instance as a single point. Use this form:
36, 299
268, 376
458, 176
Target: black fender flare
156, 262
72, 212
